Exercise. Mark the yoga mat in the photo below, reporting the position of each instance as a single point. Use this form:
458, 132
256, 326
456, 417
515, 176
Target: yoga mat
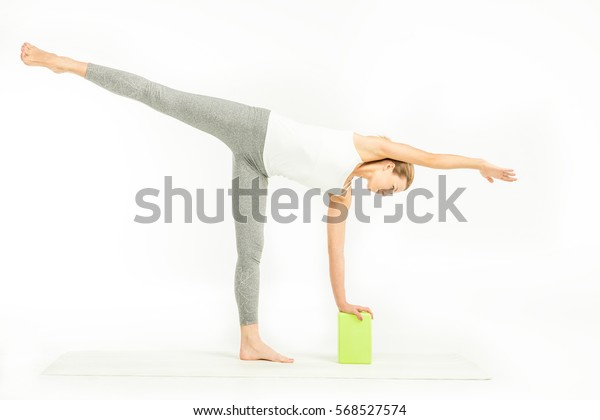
222, 364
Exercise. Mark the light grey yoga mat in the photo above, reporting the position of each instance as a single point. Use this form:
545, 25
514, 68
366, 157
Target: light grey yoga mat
221, 364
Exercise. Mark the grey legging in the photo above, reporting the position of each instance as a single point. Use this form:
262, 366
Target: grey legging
243, 129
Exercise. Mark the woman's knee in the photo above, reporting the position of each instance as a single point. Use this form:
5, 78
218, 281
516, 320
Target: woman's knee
250, 255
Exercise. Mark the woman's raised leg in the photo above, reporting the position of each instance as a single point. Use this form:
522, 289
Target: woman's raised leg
227, 120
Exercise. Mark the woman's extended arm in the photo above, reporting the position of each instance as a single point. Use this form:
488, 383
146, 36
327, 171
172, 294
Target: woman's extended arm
337, 213
409, 154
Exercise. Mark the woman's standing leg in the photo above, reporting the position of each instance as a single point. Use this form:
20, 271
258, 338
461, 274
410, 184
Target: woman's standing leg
249, 234
241, 127
249, 238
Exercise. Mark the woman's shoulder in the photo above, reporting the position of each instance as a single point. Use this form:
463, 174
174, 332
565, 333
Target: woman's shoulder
344, 197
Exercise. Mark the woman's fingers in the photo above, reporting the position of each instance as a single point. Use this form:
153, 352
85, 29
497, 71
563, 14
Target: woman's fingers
504, 174
358, 315
356, 310
366, 309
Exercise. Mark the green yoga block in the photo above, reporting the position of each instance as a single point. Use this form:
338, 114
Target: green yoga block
354, 338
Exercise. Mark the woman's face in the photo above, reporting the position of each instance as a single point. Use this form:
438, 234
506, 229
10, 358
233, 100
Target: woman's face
386, 182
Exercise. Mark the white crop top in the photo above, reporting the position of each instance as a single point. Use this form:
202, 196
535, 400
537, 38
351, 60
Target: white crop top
311, 155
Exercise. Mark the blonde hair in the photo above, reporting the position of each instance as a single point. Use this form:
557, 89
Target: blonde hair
402, 169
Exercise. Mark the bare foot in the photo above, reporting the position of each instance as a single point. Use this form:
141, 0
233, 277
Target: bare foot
33, 56
256, 349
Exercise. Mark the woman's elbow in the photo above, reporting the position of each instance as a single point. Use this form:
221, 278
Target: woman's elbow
432, 160
429, 160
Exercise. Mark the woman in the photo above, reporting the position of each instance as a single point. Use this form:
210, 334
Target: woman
264, 144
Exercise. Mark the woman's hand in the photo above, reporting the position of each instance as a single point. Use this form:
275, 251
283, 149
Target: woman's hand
489, 171
354, 309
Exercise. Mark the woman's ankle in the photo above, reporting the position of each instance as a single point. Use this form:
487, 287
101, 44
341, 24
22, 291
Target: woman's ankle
249, 333
76, 67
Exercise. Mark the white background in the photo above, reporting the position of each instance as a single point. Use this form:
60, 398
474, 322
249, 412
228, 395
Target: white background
515, 289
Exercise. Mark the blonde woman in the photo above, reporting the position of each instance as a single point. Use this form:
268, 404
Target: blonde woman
265, 143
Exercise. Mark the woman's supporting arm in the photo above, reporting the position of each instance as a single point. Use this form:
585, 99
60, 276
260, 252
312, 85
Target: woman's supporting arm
337, 212
336, 236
